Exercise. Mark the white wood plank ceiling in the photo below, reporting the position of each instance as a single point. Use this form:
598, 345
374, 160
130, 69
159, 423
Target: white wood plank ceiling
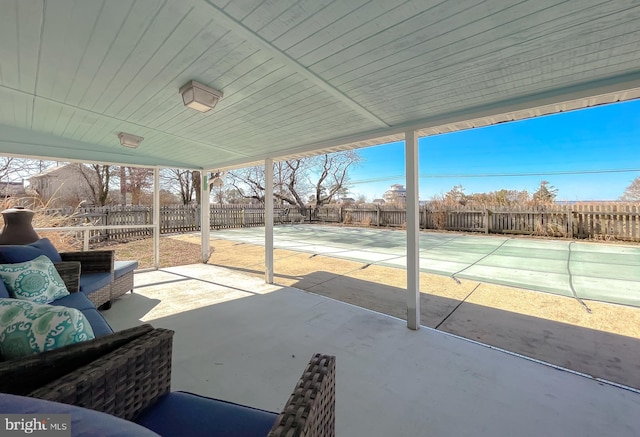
297, 76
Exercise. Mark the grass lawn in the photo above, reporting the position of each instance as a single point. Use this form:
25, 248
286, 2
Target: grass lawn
173, 252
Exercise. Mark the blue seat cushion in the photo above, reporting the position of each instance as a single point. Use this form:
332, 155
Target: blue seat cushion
98, 323
19, 253
78, 301
121, 268
90, 282
84, 422
180, 414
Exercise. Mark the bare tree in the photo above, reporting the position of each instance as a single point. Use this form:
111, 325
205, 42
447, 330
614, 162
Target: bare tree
180, 181
323, 177
233, 196
197, 185
123, 185
97, 178
139, 180
248, 182
17, 169
333, 174
632, 192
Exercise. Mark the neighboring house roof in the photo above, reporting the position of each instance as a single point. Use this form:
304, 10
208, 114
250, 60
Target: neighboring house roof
53, 171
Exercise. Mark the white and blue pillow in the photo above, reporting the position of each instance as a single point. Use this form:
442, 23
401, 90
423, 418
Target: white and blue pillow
29, 328
36, 280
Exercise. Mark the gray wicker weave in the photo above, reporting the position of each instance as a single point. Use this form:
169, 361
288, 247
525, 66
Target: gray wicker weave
310, 410
130, 377
121, 285
23, 375
121, 383
95, 261
92, 260
101, 296
70, 273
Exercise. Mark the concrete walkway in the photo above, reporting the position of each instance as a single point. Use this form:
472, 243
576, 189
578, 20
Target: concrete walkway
595, 271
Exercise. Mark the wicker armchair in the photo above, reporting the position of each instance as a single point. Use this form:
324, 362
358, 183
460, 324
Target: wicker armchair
124, 373
94, 261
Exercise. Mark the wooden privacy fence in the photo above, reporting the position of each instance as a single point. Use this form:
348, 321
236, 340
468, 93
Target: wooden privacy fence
173, 219
604, 221
589, 221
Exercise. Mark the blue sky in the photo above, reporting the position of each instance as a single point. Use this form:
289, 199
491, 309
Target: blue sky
597, 139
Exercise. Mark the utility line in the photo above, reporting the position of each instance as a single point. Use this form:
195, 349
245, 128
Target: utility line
496, 175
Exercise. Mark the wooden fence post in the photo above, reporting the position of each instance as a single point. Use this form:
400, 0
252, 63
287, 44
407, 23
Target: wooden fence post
570, 223
487, 225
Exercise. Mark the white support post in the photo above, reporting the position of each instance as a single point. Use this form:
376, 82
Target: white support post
413, 231
268, 221
156, 218
205, 221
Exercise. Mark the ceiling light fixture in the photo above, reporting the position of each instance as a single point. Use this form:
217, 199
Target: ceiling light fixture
129, 140
199, 97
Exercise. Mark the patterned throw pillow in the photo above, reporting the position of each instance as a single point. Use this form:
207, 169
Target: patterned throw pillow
29, 328
36, 280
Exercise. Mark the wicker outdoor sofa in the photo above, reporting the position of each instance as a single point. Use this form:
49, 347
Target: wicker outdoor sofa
127, 374
102, 279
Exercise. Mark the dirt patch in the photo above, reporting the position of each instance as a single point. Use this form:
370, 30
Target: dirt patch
173, 252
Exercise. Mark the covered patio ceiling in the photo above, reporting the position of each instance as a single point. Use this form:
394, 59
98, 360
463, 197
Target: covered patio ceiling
298, 76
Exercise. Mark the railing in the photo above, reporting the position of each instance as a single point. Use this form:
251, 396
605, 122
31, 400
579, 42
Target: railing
87, 231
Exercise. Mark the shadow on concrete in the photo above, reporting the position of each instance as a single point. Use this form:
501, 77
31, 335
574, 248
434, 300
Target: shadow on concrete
597, 353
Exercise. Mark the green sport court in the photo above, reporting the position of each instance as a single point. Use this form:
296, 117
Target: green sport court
587, 270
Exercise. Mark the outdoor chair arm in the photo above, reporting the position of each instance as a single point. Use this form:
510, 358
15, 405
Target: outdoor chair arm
92, 260
69, 271
121, 383
22, 376
310, 410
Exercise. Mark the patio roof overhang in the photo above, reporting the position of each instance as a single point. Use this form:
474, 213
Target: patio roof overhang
297, 77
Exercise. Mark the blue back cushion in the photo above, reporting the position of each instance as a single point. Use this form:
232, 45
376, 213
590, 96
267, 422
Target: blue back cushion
4, 293
78, 301
47, 249
98, 323
19, 253
13, 253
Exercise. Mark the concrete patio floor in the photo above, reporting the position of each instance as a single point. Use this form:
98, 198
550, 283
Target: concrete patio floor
603, 342
245, 341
